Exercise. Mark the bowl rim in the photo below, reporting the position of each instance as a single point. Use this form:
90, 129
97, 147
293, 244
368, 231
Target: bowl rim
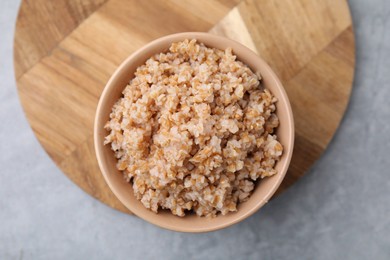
243, 49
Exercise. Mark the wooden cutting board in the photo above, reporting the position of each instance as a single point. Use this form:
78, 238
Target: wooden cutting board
66, 50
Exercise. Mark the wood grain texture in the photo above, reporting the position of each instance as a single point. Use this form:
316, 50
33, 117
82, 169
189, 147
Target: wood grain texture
42, 24
62, 71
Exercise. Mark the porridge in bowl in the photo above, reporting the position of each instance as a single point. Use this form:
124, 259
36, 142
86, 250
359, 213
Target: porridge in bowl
194, 130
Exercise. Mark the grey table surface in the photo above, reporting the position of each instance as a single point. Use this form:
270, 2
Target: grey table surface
339, 210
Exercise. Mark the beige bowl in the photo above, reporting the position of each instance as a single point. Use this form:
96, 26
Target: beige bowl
124, 191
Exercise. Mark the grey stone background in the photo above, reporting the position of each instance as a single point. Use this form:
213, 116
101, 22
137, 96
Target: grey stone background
339, 210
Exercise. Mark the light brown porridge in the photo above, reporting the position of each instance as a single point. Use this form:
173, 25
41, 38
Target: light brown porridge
194, 130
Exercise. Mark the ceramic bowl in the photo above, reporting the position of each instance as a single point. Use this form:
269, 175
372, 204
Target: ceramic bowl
264, 189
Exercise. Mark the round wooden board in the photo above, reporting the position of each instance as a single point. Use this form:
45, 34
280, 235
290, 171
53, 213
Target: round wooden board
65, 51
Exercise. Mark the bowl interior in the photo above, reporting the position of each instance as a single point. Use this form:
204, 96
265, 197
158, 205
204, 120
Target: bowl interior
123, 190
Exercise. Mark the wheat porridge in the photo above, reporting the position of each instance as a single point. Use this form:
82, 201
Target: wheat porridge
194, 130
